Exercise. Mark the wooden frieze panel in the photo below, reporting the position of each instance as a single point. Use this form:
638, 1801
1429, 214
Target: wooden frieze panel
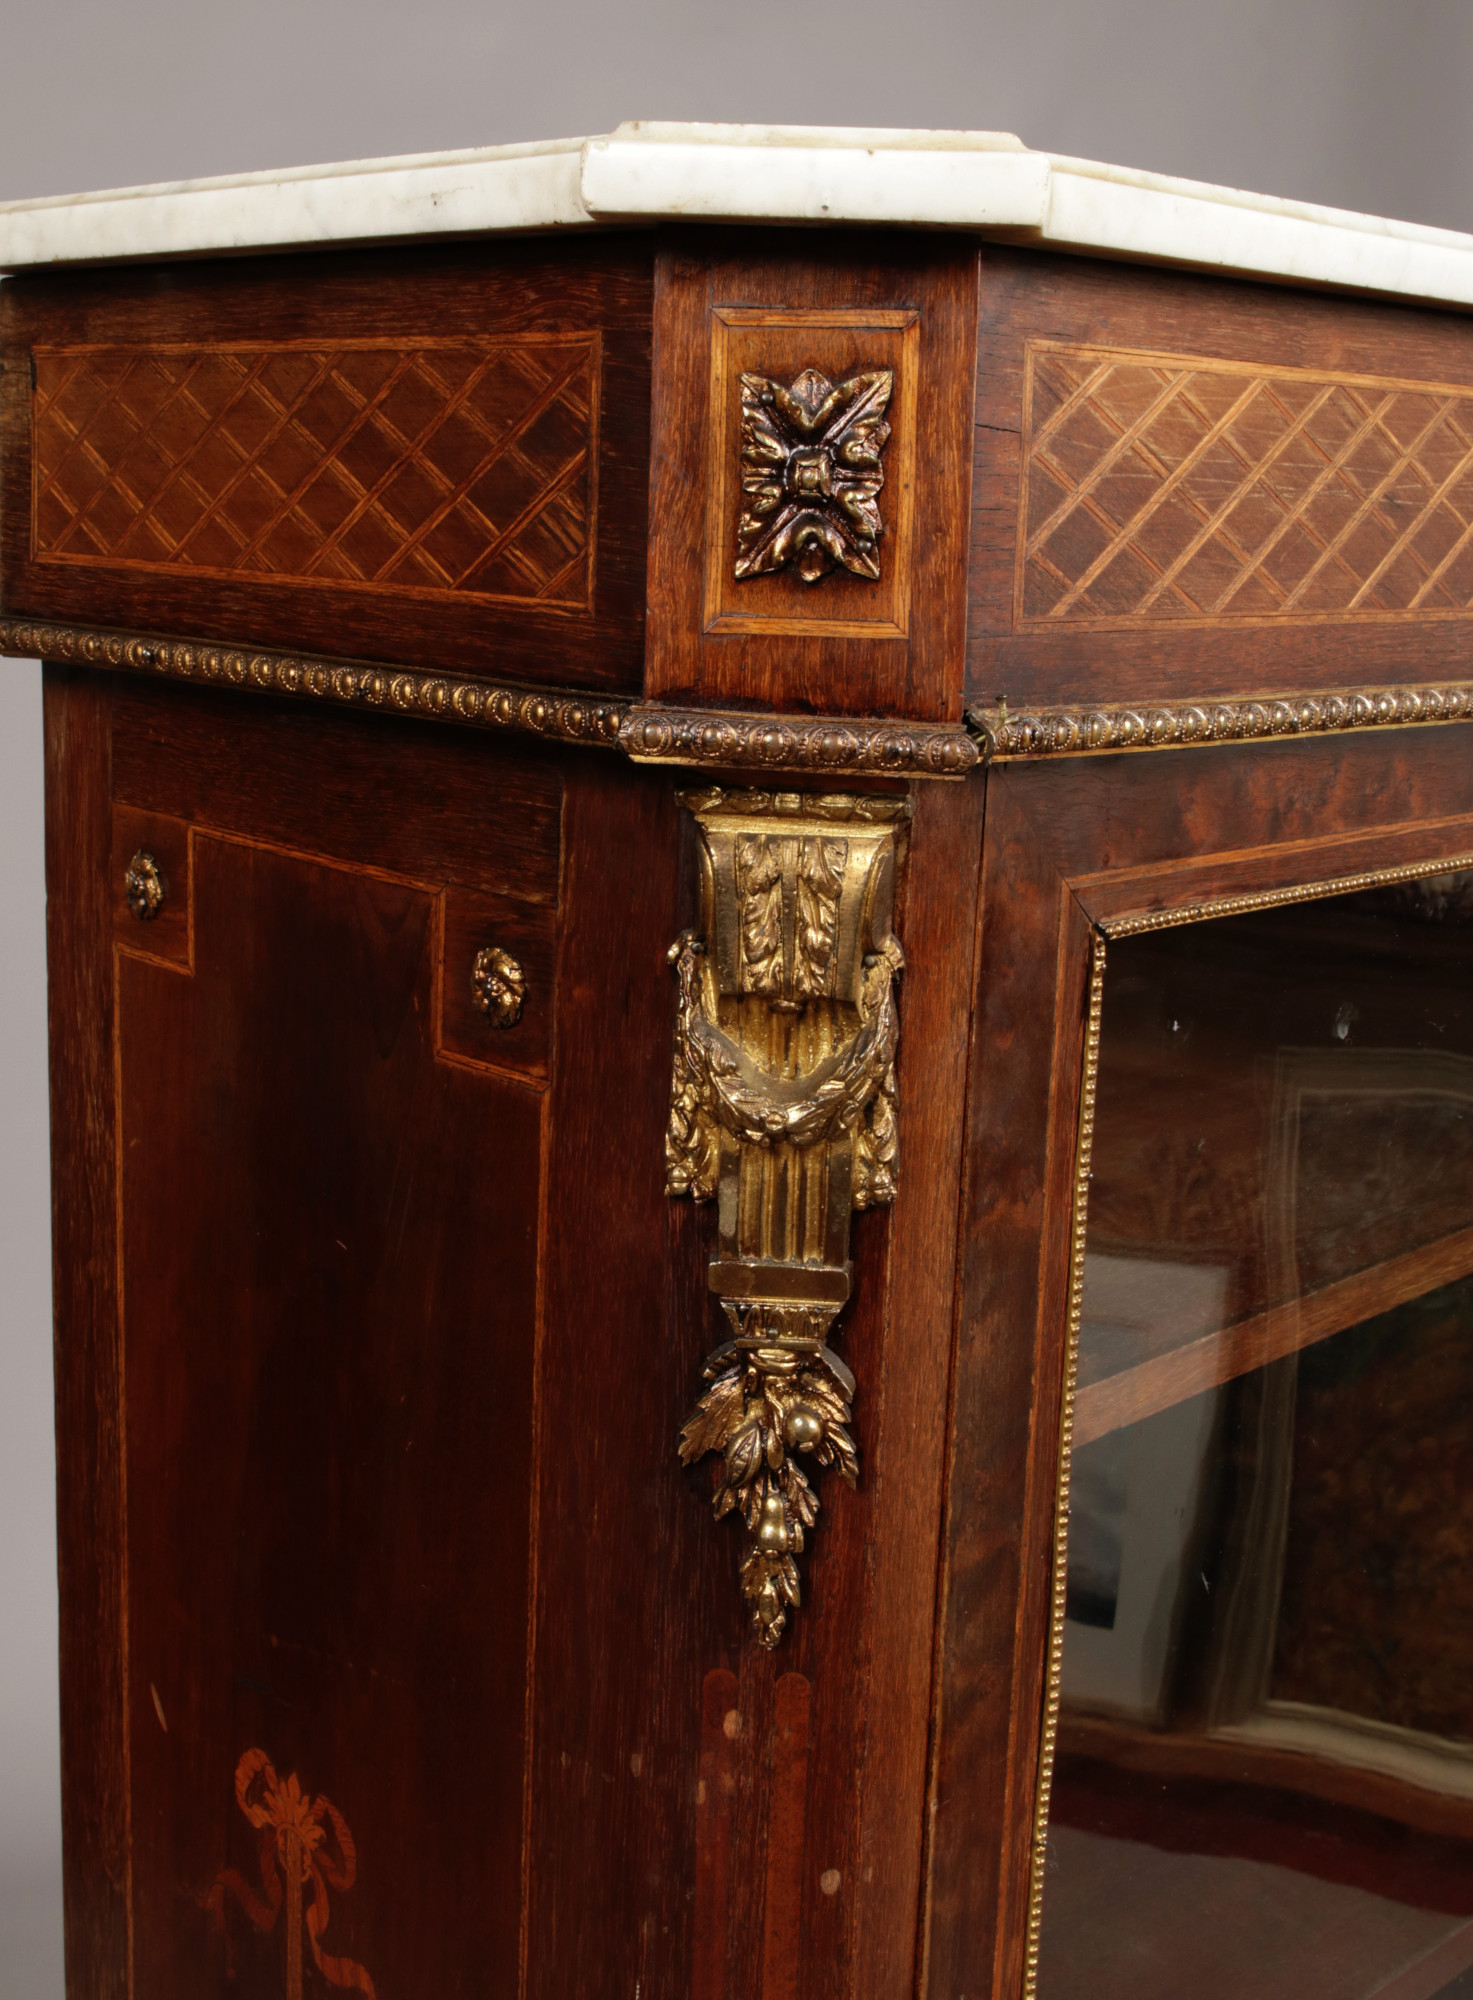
401, 466
436, 459
1180, 489
1191, 491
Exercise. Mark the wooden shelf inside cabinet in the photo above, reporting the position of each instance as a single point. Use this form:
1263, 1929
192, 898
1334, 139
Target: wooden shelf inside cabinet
1271, 1809
1262, 1122
1280, 1330
1232, 1757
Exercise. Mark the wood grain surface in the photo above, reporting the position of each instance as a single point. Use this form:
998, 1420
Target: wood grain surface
776, 304
96, 1814
375, 1325
410, 1327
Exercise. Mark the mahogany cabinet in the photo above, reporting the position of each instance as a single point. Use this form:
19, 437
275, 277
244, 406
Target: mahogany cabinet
761, 952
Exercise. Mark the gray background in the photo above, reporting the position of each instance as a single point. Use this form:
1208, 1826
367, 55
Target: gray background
1362, 103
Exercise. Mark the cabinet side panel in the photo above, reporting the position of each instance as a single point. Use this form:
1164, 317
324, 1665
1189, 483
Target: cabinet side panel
329, 1234
1014, 1220
89, 1489
911, 1380
708, 1818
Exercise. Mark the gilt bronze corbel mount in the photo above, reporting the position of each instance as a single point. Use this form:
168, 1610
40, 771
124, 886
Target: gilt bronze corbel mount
783, 1110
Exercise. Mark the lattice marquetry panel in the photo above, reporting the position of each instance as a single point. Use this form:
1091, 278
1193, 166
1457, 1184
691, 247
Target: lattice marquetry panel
1164, 488
427, 468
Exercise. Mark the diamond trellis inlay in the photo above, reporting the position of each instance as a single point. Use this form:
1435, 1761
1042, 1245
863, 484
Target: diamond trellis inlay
1166, 488
462, 468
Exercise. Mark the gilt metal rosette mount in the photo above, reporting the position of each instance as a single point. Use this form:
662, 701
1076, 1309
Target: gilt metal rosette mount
811, 474
783, 1112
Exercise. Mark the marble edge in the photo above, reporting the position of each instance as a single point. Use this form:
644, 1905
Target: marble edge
466, 194
646, 173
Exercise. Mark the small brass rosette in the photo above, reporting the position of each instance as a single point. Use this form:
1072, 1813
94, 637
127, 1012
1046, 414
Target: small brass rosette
498, 986
143, 887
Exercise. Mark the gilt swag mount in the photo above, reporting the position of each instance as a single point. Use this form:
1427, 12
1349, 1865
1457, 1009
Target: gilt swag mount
782, 1109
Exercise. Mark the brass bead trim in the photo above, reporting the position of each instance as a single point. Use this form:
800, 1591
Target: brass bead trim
1106, 932
842, 745
1094, 732
838, 746
1060, 1582
1271, 899
457, 698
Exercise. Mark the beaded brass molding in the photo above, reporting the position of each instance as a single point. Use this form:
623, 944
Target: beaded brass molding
1086, 732
1059, 1581
727, 739
836, 745
1107, 931
782, 1108
461, 698
833, 746
1274, 899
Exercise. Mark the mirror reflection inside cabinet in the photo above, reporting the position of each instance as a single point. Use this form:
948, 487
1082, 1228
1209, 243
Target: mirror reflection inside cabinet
1263, 1775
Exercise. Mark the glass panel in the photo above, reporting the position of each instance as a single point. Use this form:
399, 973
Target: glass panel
1264, 1772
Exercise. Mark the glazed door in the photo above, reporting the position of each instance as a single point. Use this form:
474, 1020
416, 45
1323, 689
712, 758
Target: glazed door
1262, 1772
1204, 1634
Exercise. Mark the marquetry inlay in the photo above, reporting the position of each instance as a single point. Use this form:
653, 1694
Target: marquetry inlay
1164, 488
428, 468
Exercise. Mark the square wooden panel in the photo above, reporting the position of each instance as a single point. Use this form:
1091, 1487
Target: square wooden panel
782, 346
776, 304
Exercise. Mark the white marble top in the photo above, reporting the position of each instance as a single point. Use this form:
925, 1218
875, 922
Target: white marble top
984, 181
